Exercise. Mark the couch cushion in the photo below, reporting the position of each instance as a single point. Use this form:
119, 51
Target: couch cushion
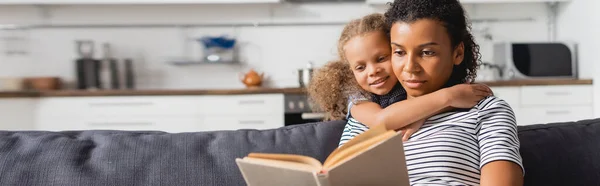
150, 158
561, 153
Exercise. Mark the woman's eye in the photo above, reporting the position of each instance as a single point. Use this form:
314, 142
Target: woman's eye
399, 53
428, 53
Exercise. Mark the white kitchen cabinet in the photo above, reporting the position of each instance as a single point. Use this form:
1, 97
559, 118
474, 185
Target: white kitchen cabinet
165, 113
162, 113
17, 113
52, 2
551, 114
548, 104
382, 2
244, 104
263, 111
563, 95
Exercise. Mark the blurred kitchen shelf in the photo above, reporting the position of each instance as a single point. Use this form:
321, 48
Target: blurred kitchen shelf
182, 25
98, 2
198, 62
383, 2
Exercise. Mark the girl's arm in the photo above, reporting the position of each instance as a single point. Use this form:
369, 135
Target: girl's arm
403, 113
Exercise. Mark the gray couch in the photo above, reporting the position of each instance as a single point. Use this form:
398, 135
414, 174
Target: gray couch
554, 154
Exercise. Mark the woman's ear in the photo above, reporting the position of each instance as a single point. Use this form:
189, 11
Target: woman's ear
459, 53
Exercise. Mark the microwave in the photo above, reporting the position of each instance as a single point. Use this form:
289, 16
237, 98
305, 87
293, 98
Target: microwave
541, 60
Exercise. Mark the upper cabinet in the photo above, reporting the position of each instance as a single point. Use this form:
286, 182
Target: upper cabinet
83, 2
375, 2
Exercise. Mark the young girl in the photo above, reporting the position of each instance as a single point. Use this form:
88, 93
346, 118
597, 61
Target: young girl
433, 48
364, 77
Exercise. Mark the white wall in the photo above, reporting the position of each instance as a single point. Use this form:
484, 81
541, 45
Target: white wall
276, 50
580, 21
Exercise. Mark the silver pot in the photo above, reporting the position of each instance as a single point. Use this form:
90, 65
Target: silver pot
305, 75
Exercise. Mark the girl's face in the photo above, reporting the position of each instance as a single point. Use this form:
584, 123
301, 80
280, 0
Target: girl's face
423, 57
369, 57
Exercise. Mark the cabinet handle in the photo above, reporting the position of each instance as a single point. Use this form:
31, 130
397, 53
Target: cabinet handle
558, 93
248, 102
557, 112
120, 123
247, 122
120, 104
313, 116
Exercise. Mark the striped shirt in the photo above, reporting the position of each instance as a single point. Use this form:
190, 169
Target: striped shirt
452, 147
354, 127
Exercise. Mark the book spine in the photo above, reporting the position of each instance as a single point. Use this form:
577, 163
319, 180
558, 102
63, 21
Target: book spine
322, 179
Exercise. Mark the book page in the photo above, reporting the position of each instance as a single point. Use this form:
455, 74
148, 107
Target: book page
372, 132
383, 164
259, 172
351, 151
290, 158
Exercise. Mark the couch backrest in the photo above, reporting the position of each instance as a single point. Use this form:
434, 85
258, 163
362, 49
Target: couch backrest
150, 158
553, 154
561, 153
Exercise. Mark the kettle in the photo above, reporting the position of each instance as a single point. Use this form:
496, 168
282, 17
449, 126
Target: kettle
489, 72
305, 75
252, 78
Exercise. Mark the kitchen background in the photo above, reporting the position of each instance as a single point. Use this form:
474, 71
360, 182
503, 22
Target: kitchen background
274, 38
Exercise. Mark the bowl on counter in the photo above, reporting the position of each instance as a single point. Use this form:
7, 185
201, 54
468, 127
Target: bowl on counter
44, 83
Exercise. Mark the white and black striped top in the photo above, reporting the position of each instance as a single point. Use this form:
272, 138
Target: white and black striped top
451, 148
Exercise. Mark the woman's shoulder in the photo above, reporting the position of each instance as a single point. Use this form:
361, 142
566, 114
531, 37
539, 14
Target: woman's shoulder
492, 102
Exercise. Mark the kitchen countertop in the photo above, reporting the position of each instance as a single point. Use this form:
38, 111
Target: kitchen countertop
177, 92
158, 92
533, 82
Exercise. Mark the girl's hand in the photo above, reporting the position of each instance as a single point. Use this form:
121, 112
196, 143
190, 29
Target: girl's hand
466, 95
409, 130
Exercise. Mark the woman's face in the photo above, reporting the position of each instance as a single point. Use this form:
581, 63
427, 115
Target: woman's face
423, 57
369, 57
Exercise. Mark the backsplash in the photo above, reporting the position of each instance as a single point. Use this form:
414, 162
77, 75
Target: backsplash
278, 51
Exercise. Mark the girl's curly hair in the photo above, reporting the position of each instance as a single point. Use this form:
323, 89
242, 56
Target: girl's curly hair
332, 84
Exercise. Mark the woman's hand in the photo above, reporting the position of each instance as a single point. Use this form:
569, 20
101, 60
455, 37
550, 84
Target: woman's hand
466, 95
409, 130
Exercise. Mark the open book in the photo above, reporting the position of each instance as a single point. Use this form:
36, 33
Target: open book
375, 157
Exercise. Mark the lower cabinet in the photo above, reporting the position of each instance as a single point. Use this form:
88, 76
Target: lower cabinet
161, 113
548, 104
17, 113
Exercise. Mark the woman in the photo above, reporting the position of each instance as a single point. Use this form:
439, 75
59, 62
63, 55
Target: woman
433, 48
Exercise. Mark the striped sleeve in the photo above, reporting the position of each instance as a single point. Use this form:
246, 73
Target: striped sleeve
497, 134
353, 127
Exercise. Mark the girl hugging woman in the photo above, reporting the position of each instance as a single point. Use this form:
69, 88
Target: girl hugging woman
467, 137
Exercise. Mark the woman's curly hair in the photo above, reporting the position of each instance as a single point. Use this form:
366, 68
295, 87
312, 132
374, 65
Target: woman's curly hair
452, 15
332, 84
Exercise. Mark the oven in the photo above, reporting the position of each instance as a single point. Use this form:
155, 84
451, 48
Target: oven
298, 110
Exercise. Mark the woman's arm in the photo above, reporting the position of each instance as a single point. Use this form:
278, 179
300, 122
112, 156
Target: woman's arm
501, 173
499, 145
403, 113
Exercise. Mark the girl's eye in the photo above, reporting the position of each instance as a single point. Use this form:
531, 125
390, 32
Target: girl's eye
381, 58
359, 68
399, 53
428, 53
